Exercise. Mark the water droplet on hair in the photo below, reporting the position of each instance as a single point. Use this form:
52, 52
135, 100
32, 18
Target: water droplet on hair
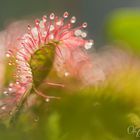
84, 34
51, 28
52, 16
41, 24
10, 89
10, 64
84, 25
37, 22
58, 23
66, 74
29, 27
47, 100
17, 82
78, 32
65, 15
73, 19
35, 32
88, 44
3, 107
44, 18
8, 55
11, 85
51, 36
5, 93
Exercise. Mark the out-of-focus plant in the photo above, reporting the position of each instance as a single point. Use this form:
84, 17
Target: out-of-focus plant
123, 27
58, 92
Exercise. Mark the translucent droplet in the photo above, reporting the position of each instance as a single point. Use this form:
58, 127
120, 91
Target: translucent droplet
84, 34
17, 82
84, 25
35, 32
51, 28
5, 93
10, 64
3, 107
73, 19
59, 23
65, 15
29, 27
45, 33
10, 89
41, 24
52, 16
11, 85
47, 100
51, 36
89, 44
66, 74
44, 18
8, 55
77, 32
16, 60
37, 22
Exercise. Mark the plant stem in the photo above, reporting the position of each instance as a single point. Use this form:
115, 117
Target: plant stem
16, 111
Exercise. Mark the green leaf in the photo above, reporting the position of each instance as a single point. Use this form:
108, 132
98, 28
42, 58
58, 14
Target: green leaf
42, 61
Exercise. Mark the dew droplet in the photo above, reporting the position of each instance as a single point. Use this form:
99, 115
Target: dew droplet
47, 100
10, 64
84, 25
78, 32
51, 28
84, 34
35, 32
44, 18
59, 23
73, 19
41, 24
8, 55
88, 44
44, 33
66, 74
66, 14
11, 85
29, 27
3, 107
10, 89
52, 16
17, 82
16, 60
51, 36
5, 92
37, 22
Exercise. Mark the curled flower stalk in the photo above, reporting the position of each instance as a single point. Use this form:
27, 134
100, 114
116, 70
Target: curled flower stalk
52, 41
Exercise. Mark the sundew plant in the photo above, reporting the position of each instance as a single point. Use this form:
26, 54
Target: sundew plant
53, 86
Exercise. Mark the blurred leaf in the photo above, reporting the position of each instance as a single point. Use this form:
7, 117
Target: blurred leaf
123, 26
